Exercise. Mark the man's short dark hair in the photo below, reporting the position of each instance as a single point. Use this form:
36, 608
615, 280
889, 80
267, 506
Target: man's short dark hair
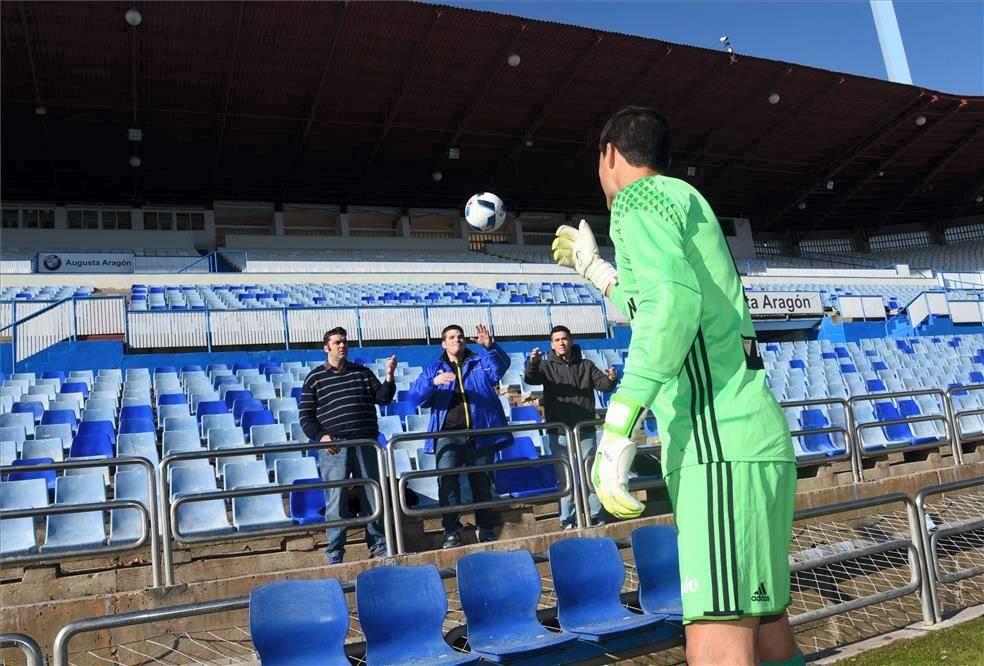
560, 329
338, 330
451, 327
641, 134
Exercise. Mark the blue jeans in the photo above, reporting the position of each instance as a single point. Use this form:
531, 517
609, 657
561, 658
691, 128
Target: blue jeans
460, 452
358, 463
558, 447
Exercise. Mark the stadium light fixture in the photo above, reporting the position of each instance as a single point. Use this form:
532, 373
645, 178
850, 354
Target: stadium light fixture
437, 176
135, 161
980, 198
454, 153
830, 184
881, 172
133, 17
529, 143
40, 110
920, 120
774, 98
726, 43
691, 171
801, 205
514, 60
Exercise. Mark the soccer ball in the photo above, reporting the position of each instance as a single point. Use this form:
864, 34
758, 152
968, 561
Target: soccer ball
485, 212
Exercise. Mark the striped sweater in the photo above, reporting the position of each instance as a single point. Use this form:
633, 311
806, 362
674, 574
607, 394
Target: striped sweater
340, 402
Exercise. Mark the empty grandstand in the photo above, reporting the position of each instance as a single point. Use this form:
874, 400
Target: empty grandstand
190, 204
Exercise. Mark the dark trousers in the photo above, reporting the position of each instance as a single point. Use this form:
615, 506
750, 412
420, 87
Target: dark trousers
461, 452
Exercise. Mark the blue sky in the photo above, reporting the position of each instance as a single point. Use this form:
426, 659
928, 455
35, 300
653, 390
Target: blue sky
944, 39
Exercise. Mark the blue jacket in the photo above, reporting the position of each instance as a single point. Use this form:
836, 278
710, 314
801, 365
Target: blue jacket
480, 371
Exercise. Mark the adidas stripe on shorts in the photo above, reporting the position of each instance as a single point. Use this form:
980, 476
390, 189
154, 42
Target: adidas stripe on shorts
735, 523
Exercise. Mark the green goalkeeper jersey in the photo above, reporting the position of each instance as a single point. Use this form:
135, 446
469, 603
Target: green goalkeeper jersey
693, 354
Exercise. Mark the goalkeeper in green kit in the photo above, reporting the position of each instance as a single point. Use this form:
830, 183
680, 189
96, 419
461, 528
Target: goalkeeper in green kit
727, 456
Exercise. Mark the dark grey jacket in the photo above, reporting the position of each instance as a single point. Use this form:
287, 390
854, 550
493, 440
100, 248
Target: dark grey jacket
568, 386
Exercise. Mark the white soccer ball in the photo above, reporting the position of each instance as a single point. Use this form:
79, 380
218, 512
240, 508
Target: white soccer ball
485, 212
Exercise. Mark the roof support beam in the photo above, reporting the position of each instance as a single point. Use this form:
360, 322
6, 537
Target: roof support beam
548, 104
966, 140
920, 103
233, 64
493, 72
404, 87
873, 173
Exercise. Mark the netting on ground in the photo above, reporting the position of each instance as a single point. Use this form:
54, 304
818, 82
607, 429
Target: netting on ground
812, 589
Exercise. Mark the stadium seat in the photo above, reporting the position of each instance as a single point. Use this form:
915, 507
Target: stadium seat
8, 452
14, 434
75, 387
386, 597
499, 595
24, 420
98, 428
210, 407
257, 417
140, 444
165, 412
261, 511
312, 612
198, 518
307, 506
124, 524
588, 574
172, 399
74, 531
17, 535
527, 481
244, 405
49, 476
62, 431
401, 409
657, 562
88, 446
182, 422
34, 409
287, 470
97, 414
231, 396
137, 425
136, 412
43, 448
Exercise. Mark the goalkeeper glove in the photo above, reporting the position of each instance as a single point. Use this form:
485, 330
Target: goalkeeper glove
577, 249
610, 473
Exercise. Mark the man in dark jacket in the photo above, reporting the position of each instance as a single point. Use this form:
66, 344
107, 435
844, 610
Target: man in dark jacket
460, 389
569, 382
338, 403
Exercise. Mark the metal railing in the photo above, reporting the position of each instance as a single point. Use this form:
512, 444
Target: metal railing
30, 648
931, 539
946, 418
955, 416
148, 514
399, 484
913, 546
850, 444
584, 479
169, 506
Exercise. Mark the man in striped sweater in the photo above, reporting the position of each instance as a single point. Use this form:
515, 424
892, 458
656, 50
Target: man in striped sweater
338, 403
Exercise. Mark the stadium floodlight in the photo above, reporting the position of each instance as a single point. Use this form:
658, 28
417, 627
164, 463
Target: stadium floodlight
920, 120
980, 198
727, 47
437, 176
774, 98
40, 110
133, 17
135, 161
830, 184
881, 172
691, 171
513, 60
724, 39
801, 205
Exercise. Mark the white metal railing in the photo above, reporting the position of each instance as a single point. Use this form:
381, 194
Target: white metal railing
167, 330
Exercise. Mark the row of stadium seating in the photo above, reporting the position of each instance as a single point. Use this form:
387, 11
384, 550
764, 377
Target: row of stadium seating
894, 296
43, 293
233, 297
401, 609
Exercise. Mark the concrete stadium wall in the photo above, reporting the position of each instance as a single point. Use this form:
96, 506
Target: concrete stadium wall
34, 240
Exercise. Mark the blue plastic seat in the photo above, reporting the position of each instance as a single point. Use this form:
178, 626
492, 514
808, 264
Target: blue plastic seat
88, 446
54, 374
136, 412
244, 405
256, 417
401, 409
224, 379
98, 428
130, 483
172, 399
386, 597
211, 407
137, 425
255, 512
35, 409
307, 506
657, 562
77, 530
524, 481
76, 387
819, 443
231, 396
525, 413
17, 535
24, 420
48, 476
57, 416
499, 595
313, 613
588, 575
198, 518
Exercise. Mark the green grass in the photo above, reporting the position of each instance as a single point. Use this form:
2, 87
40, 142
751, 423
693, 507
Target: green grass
956, 646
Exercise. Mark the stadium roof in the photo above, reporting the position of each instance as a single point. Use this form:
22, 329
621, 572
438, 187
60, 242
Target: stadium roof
361, 102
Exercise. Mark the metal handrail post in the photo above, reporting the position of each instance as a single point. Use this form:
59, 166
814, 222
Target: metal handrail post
30, 648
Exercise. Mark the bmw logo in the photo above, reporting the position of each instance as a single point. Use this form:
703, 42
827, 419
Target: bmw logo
52, 262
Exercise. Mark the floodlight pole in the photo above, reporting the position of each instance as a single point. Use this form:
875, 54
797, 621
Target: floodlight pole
890, 40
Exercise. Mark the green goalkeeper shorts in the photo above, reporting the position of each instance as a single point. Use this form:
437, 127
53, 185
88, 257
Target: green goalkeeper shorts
735, 521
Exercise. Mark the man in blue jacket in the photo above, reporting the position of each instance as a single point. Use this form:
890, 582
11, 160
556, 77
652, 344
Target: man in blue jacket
460, 389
